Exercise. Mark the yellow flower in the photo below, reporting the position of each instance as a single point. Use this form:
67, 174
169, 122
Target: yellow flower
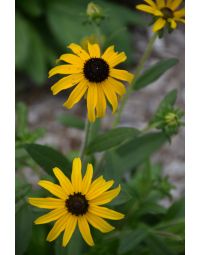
94, 76
166, 12
77, 202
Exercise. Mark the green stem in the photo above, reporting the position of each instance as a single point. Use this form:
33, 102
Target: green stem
85, 141
139, 68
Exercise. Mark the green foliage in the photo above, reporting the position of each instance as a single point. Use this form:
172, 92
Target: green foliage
135, 151
44, 28
70, 120
48, 158
111, 138
23, 229
154, 72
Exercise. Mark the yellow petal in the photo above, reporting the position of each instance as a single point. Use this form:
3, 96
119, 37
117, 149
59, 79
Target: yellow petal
172, 23
105, 212
58, 227
96, 184
149, 9
175, 4
121, 75
117, 59
180, 13
160, 3
106, 197
66, 82
95, 193
63, 180
101, 102
79, 51
69, 229
91, 101
76, 94
99, 223
110, 95
180, 20
51, 216
76, 176
65, 69
118, 87
72, 59
87, 179
85, 230
108, 53
54, 189
169, 2
94, 50
151, 3
47, 203
159, 24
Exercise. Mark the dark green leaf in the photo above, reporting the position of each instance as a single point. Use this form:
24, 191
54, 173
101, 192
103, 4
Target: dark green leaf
71, 121
154, 72
22, 40
158, 246
38, 244
47, 157
140, 148
110, 139
23, 229
130, 239
36, 68
177, 210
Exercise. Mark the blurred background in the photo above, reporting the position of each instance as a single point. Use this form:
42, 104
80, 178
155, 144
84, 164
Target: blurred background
43, 30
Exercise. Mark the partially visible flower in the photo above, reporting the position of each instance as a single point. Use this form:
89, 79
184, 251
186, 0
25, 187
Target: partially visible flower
169, 120
77, 202
94, 75
165, 12
94, 12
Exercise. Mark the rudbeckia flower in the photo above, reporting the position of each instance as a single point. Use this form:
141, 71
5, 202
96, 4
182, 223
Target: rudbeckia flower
77, 202
94, 76
165, 12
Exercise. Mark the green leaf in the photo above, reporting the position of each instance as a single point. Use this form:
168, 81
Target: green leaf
176, 210
129, 240
111, 138
22, 40
23, 229
168, 100
22, 116
134, 152
71, 121
48, 158
38, 244
36, 68
158, 246
154, 72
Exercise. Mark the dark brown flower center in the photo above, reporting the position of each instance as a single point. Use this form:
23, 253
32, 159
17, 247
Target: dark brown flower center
167, 12
77, 204
96, 70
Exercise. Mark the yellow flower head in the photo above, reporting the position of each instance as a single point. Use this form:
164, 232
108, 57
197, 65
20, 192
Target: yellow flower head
77, 202
165, 11
93, 75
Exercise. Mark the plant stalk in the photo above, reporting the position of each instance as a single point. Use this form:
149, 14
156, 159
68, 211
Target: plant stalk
85, 141
139, 68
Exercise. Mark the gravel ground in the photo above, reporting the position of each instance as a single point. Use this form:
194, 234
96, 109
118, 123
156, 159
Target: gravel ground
44, 109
